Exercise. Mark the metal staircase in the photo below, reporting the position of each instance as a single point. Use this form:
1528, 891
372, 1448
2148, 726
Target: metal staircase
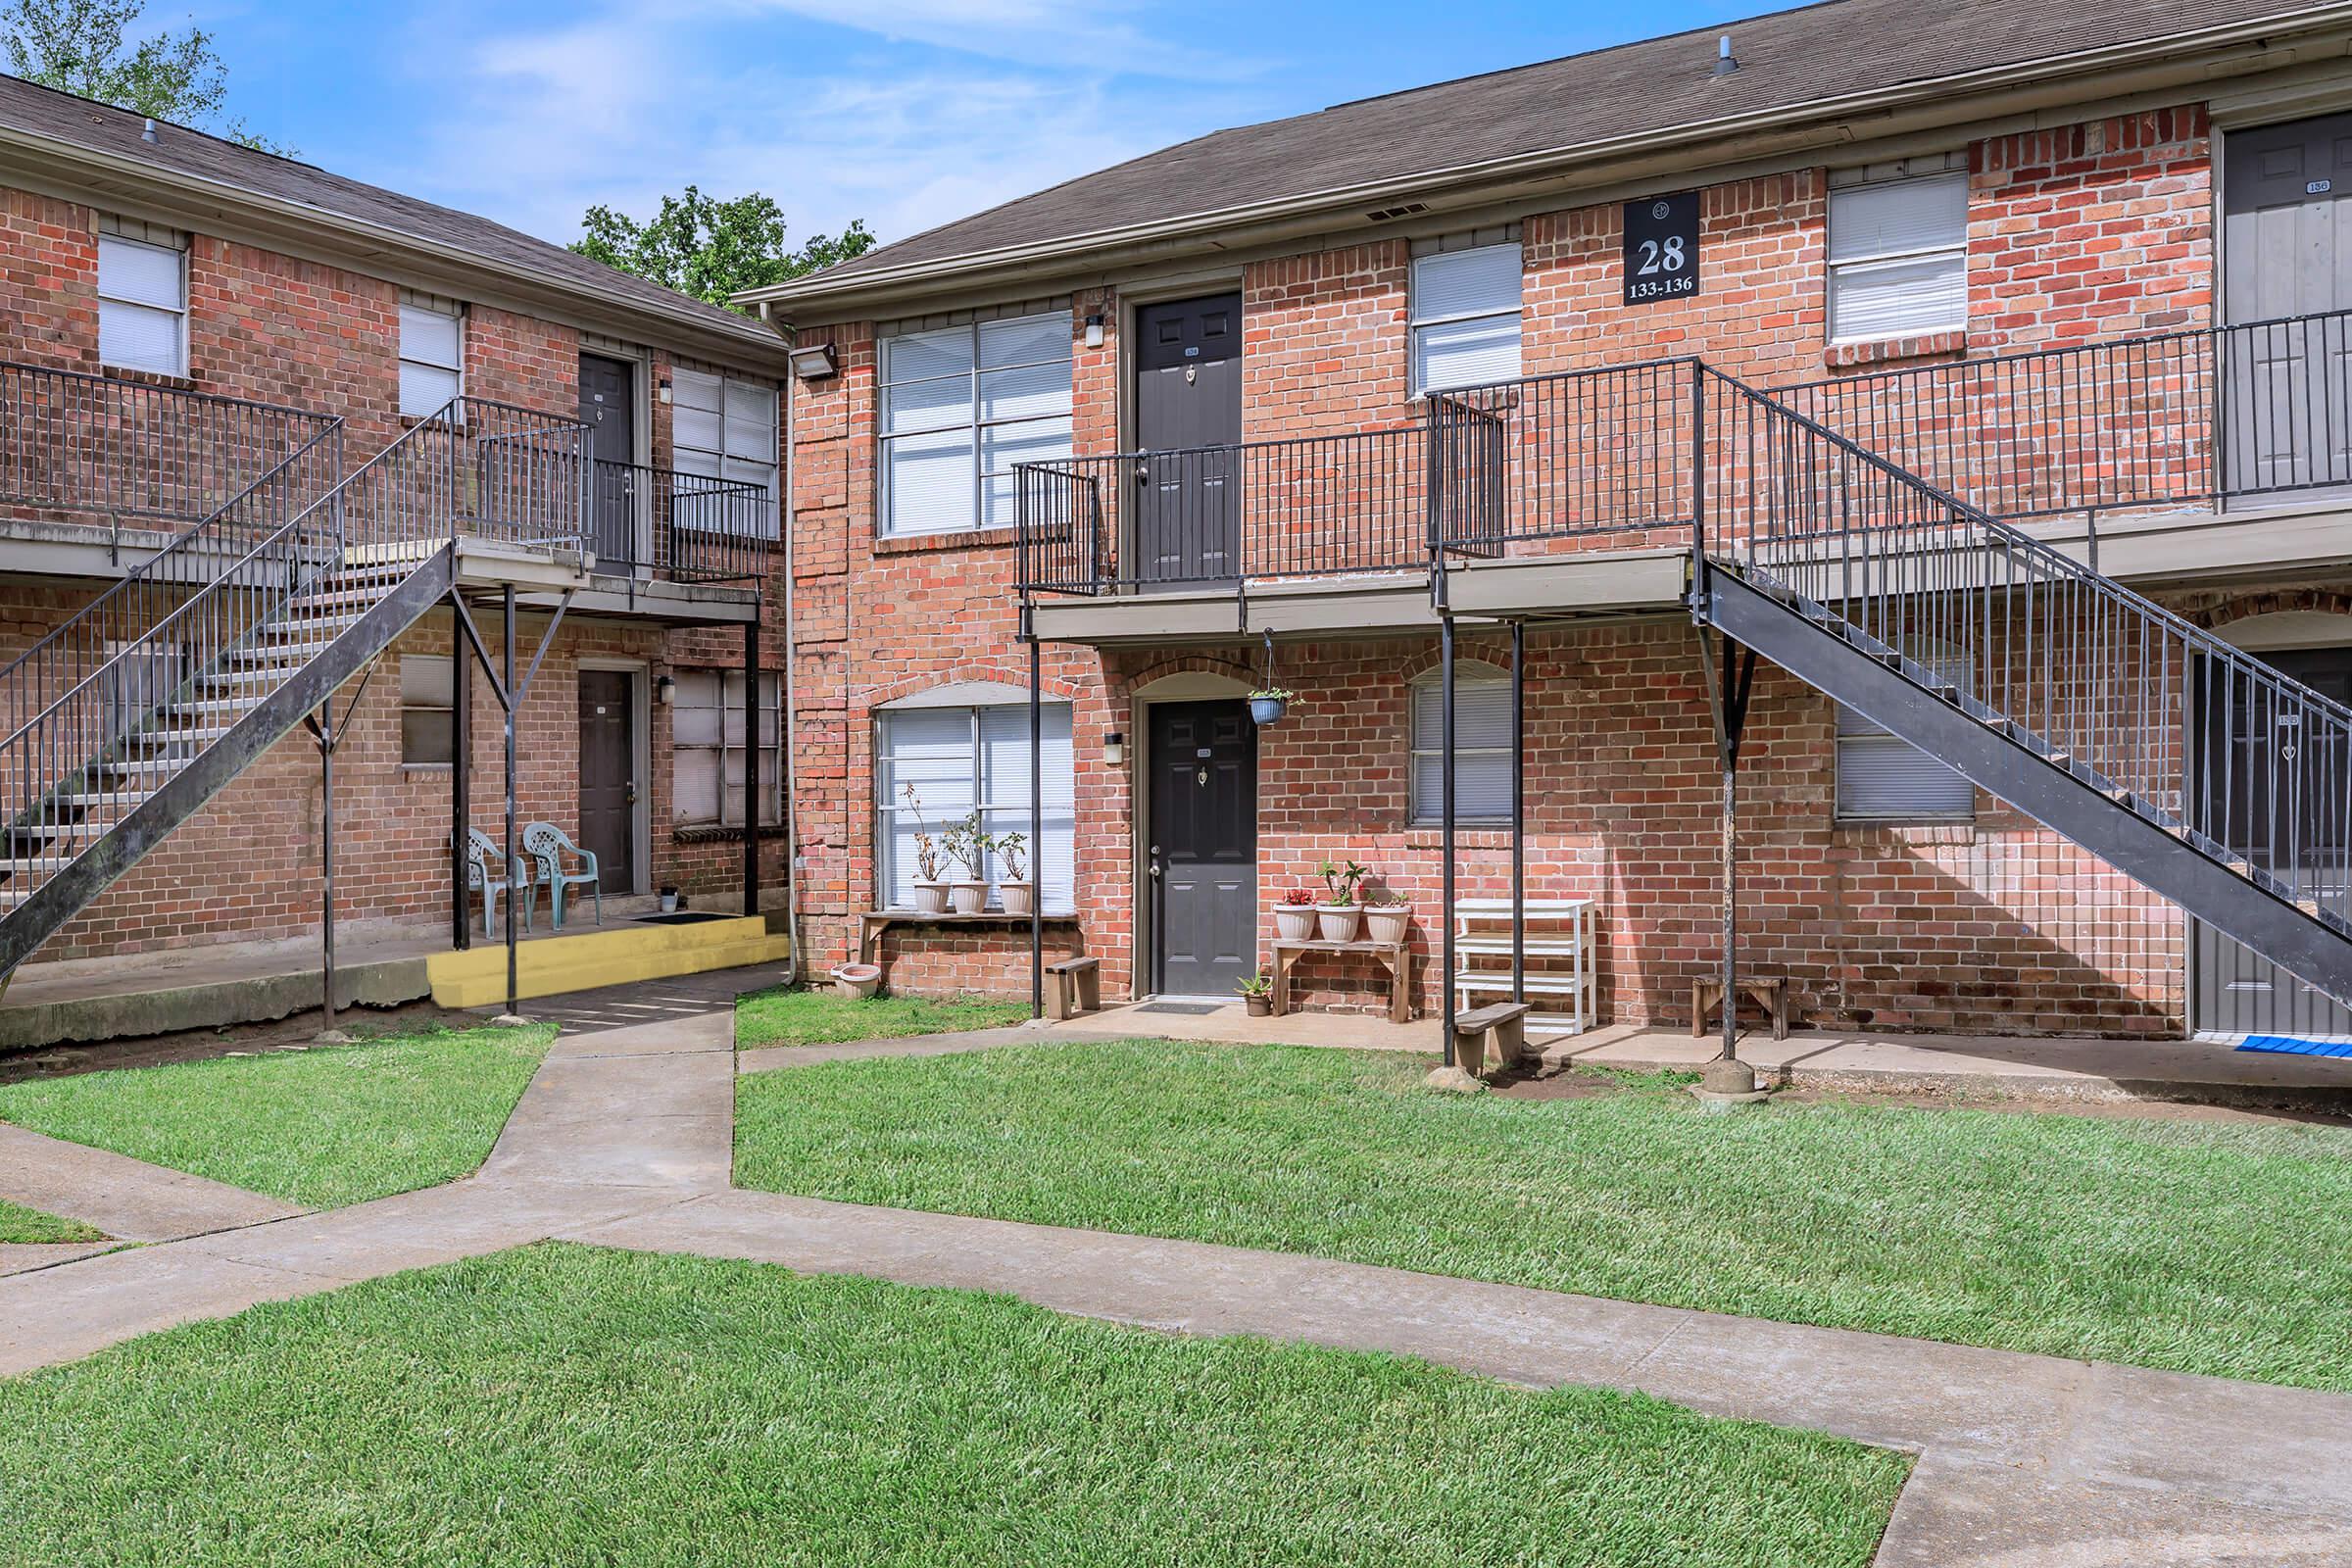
2183, 763
128, 717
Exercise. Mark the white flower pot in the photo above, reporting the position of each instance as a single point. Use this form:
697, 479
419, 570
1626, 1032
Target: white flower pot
1020, 898
1337, 921
930, 898
967, 898
1295, 922
1386, 922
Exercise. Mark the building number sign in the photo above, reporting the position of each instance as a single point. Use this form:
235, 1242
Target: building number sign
1661, 248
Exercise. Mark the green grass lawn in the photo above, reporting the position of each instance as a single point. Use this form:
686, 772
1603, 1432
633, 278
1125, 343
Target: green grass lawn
561, 1405
2198, 1247
21, 1224
321, 1128
787, 1018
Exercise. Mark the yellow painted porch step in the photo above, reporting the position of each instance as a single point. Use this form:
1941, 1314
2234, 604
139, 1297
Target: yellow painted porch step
610, 957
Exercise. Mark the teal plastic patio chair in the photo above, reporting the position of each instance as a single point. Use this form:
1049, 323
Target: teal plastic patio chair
481, 853
547, 844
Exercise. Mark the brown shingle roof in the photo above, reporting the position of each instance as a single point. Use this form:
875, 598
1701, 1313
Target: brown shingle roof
178, 150
1786, 59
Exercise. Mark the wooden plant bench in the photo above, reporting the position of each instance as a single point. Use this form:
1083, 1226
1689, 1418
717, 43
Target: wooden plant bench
1489, 1039
1073, 986
1396, 957
1770, 994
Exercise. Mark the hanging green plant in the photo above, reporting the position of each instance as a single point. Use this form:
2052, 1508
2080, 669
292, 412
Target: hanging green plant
1267, 703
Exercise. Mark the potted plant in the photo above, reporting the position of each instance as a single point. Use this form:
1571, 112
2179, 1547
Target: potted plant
930, 888
1017, 890
669, 899
1257, 994
1338, 914
1267, 703
1295, 916
1385, 915
968, 844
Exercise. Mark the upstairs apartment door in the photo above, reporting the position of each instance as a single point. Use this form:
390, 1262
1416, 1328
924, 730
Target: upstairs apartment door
2287, 253
1203, 848
1188, 397
609, 409
2247, 757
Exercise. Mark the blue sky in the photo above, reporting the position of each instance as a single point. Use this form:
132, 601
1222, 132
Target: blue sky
905, 113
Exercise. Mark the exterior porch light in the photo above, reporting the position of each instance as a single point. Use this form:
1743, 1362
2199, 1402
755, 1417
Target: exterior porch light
1094, 331
1114, 749
664, 690
815, 361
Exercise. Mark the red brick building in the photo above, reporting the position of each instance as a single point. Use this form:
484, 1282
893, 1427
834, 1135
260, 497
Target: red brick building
2033, 311
205, 342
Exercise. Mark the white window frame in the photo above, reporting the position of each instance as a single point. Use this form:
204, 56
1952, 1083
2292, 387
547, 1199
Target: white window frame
1417, 323
1841, 268
977, 519
1430, 687
771, 750
180, 258
1851, 730
454, 315
716, 463
447, 707
889, 806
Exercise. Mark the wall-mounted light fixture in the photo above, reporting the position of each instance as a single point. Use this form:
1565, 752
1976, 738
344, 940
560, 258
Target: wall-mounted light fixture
1114, 748
1094, 331
664, 690
815, 361
665, 388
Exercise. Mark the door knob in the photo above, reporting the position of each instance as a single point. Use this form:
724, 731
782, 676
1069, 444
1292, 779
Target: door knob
632, 792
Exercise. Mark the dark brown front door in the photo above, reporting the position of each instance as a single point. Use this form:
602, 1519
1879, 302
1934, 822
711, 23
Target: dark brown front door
1204, 853
1188, 416
607, 781
609, 409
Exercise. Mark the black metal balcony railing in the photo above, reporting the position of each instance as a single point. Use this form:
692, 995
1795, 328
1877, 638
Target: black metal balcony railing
685, 527
97, 447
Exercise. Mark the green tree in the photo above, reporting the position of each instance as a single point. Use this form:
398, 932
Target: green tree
712, 248
77, 46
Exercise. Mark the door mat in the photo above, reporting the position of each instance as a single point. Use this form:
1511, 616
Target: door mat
2289, 1045
1190, 1008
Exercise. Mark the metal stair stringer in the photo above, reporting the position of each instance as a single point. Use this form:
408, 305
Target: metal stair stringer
68, 891
2158, 855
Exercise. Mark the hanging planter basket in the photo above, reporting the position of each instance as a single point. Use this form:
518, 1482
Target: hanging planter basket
1268, 707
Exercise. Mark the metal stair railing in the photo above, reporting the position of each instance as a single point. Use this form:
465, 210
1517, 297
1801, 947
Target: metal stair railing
2245, 766
142, 682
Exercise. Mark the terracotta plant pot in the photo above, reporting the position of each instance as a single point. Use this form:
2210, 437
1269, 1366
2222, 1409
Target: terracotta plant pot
1386, 922
967, 898
930, 898
1295, 922
1337, 921
1259, 1006
1020, 898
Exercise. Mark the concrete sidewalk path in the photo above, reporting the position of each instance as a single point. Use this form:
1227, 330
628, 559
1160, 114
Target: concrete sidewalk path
128, 1198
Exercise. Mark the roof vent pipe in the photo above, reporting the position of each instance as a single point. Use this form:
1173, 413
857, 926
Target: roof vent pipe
1725, 65
147, 131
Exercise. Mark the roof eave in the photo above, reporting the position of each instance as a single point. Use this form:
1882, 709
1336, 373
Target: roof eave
1199, 231
56, 161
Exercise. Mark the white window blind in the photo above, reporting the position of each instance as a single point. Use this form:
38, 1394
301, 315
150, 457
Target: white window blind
706, 749
1899, 258
960, 407
959, 759
722, 429
1881, 776
431, 359
428, 731
142, 305
1466, 313
1481, 746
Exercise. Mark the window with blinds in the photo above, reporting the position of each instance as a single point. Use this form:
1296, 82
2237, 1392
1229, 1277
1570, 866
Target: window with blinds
960, 407
1882, 777
1481, 746
722, 429
706, 749
959, 759
142, 305
427, 709
1899, 258
431, 358
1465, 317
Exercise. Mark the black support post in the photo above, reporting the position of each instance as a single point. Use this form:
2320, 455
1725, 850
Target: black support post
751, 766
1036, 824
1519, 811
460, 772
1445, 814
514, 891
325, 725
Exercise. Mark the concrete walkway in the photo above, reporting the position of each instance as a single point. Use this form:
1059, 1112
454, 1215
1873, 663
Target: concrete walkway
623, 1139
